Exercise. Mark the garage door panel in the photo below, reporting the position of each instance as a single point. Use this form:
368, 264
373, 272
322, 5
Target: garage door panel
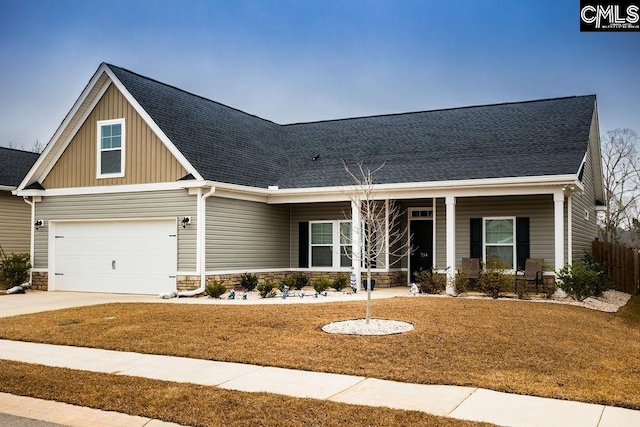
116, 256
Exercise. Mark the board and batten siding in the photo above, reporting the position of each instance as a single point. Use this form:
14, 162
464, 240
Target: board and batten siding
584, 230
246, 235
538, 208
15, 224
152, 204
340, 211
147, 159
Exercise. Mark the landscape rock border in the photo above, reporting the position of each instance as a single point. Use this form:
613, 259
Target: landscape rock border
375, 327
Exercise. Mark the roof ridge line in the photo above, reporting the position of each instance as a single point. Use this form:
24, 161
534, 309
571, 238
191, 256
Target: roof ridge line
437, 110
19, 150
190, 93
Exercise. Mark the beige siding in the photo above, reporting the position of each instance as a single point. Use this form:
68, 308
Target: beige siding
147, 160
584, 231
441, 234
539, 209
154, 204
244, 235
314, 212
15, 224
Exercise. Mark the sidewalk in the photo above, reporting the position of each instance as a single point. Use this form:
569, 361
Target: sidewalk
466, 403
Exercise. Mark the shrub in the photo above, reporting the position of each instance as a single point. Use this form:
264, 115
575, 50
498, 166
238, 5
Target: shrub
289, 281
301, 280
430, 282
462, 280
601, 268
582, 279
214, 288
493, 280
340, 282
14, 269
321, 284
248, 281
266, 288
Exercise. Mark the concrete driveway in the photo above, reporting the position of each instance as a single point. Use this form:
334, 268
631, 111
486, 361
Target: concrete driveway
37, 301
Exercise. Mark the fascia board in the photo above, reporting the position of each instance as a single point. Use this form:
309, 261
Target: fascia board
154, 126
50, 145
7, 188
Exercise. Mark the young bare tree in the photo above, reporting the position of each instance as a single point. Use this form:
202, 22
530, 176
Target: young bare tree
379, 230
621, 170
37, 146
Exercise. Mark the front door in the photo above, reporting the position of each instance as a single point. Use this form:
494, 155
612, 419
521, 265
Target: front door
422, 246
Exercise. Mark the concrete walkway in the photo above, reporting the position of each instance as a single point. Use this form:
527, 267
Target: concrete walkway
467, 403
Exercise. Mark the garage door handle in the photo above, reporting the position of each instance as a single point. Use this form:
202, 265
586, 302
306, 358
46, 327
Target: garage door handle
113, 264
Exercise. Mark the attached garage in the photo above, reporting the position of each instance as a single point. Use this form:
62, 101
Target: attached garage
133, 257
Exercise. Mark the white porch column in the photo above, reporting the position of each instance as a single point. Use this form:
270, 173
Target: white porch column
450, 202
356, 247
558, 211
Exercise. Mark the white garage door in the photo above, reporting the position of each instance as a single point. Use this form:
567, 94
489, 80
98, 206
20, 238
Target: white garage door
134, 257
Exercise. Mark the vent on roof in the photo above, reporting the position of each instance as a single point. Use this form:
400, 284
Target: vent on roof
316, 157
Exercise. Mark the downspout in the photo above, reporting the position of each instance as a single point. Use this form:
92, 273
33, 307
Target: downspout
33, 235
202, 247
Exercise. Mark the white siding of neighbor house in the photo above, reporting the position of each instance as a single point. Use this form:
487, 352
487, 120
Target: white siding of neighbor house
584, 231
314, 212
152, 204
244, 235
15, 224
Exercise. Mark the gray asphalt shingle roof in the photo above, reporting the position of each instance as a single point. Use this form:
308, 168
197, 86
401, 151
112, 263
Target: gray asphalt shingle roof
14, 165
534, 138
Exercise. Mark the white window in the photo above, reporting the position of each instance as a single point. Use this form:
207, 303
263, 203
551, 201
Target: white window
111, 148
330, 244
499, 240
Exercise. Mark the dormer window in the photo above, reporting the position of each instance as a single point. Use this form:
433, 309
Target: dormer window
111, 142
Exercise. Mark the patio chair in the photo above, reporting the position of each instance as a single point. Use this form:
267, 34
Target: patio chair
472, 267
532, 273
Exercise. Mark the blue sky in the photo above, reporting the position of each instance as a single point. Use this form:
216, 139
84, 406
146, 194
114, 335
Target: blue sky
293, 61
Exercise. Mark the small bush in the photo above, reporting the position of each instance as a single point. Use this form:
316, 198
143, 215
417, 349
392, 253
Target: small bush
430, 282
604, 282
581, 280
340, 282
493, 280
248, 281
266, 288
289, 281
461, 284
321, 284
301, 280
214, 288
14, 269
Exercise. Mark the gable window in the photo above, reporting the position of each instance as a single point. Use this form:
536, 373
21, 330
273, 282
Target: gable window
111, 145
499, 240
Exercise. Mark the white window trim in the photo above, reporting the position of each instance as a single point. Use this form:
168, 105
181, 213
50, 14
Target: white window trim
484, 238
99, 149
335, 246
421, 218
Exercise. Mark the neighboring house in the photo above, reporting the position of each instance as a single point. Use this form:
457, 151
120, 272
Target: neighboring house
135, 159
15, 213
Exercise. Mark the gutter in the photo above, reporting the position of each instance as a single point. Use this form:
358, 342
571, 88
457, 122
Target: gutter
201, 242
33, 235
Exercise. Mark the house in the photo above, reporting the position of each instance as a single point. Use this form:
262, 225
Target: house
146, 188
15, 214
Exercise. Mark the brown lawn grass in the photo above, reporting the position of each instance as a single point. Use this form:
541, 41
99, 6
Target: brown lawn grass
194, 405
541, 349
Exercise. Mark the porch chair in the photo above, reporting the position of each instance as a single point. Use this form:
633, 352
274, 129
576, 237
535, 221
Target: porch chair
472, 266
532, 273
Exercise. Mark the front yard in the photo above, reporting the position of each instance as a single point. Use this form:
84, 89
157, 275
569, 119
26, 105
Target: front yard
515, 346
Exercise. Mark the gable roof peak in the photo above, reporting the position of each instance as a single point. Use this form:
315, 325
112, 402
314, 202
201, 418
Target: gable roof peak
116, 67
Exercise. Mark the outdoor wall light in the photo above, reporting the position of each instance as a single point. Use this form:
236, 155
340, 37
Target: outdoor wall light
38, 223
186, 220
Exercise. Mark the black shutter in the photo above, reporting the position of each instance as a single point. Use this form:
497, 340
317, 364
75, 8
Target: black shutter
476, 238
303, 245
522, 241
